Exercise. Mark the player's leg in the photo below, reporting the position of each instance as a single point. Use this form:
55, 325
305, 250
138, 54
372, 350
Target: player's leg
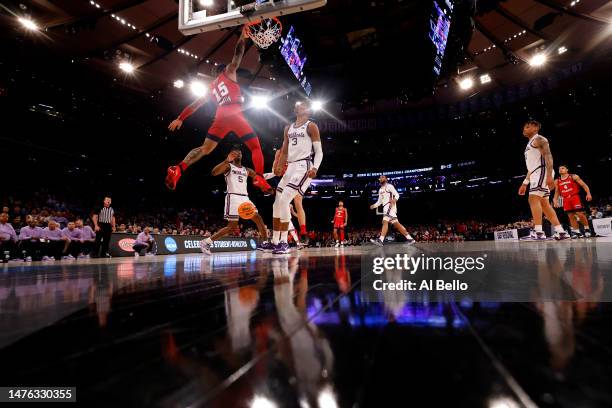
248, 137
175, 172
535, 204
574, 228
383, 232
402, 230
585, 223
293, 234
284, 215
335, 234
206, 243
301, 214
261, 226
550, 213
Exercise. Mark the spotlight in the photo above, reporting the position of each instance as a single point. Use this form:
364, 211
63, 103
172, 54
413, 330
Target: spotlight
28, 24
538, 60
317, 105
179, 83
207, 3
485, 79
260, 101
466, 83
127, 67
561, 50
198, 88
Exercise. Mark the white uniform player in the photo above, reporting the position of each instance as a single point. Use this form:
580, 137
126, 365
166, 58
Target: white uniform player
536, 168
236, 179
303, 154
385, 193
387, 198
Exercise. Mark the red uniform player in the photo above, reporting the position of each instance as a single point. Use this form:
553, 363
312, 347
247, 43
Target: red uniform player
340, 221
568, 187
228, 119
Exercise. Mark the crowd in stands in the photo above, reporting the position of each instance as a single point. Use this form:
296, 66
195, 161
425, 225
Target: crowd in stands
45, 228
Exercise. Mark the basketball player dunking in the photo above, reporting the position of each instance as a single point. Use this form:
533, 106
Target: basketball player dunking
236, 176
340, 220
387, 197
540, 180
568, 186
301, 139
228, 118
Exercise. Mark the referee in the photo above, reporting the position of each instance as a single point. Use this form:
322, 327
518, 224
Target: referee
104, 224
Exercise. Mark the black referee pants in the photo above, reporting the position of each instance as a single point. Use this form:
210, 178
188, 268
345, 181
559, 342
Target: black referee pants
103, 239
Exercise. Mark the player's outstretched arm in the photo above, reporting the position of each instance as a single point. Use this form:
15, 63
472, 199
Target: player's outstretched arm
315, 136
188, 111
224, 166
584, 186
238, 54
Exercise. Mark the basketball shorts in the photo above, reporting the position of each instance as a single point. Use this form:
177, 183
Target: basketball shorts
537, 183
296, 177
572, 203
232, 202
338, 224
231, 122
390, 213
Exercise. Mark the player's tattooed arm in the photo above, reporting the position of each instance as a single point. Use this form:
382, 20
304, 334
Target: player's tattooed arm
224, 166
584, 186
282, 157
543, 146
238, 54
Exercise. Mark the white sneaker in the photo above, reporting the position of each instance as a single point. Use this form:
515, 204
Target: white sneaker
68, 257
136, 255
560, 236
377, 241
587, 233
45, 258
28, 259
337, 244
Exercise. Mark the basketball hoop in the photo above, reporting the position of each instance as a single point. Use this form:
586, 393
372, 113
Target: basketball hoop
264, 33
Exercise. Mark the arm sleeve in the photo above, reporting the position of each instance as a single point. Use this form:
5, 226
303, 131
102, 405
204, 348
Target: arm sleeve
318, 153
189, 110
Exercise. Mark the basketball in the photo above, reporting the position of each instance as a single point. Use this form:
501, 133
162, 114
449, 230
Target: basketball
247, 210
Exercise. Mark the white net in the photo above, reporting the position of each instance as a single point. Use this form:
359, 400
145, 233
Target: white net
266, 32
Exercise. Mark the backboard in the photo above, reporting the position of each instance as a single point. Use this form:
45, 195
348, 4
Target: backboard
198, 16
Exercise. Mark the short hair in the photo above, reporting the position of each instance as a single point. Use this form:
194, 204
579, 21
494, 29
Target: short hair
564, 165
340, 201
534, 123
236, 148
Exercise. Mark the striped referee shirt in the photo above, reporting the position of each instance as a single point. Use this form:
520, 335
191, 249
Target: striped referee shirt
106, 215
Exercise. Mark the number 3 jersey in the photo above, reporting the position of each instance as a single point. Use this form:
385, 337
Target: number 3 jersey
300, 143
236, 180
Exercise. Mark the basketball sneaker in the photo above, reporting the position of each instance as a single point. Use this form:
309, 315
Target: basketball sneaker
409, 239
205, 245
587, 234
535, 236
560, 236
173, 176
337, 244
262, 184
265, 247
576, 235
376, 241
281, 248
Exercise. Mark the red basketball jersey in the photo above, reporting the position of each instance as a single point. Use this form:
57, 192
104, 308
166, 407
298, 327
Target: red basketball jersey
339, 216
226, 91
567, 187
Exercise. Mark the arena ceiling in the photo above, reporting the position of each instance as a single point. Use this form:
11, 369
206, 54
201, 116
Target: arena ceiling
502, 37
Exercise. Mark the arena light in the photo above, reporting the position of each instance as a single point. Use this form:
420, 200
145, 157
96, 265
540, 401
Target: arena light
538, 60
317, 105
561, 50
466, 83
179, 83
485, 79
207, 3
260, 101
127, 67
28, 24
198, 88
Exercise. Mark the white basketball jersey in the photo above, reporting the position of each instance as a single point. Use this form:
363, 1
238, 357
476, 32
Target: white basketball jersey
385, 193
533, 157
300, 144
236, 180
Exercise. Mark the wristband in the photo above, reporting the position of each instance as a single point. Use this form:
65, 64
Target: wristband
526, 182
